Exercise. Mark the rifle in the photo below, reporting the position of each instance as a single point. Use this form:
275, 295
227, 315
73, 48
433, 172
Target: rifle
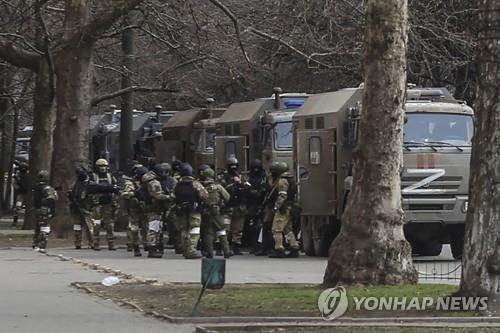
260, 211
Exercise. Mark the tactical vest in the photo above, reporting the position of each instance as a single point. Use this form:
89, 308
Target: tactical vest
185, 193
103, 199
40, 192
168, 185
292, 189
214, 196
142, 193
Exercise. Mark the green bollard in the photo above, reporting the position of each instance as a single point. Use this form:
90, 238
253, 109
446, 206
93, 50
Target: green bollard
213, 276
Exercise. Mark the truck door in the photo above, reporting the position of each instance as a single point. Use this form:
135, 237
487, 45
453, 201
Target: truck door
316, 171
231, 146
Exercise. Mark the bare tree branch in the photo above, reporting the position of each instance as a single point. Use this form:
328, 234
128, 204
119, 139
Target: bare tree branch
233, 18
19, 57
120, 92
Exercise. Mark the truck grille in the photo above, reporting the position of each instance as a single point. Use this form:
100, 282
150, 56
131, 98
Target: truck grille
448, 184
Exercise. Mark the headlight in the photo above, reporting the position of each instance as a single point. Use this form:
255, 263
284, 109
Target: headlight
465, 207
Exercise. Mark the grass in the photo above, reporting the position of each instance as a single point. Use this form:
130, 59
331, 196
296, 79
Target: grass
359, 330
263, 300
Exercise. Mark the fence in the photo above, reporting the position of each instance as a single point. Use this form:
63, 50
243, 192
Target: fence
439, 270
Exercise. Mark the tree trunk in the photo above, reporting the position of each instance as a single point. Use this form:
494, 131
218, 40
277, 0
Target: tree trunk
126, 119
481, 259
6, 129
73, 95
41, 143
7, 134
371, 248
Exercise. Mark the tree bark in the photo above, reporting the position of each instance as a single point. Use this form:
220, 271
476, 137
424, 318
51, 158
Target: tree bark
371, 248
41, 143
73, 96
6, 129
481, 259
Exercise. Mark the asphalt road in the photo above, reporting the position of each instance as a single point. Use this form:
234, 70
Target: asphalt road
248, 268
35, 296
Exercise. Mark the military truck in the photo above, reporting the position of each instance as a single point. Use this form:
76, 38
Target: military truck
189, 136
259, 129
437, 146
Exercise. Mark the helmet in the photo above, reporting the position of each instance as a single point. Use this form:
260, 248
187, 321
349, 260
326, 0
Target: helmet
166, 167
208, 173
140, 171
278, 168
186, 170
176, 165
101, 162
256, 165
231, 161
43, 176
159, 170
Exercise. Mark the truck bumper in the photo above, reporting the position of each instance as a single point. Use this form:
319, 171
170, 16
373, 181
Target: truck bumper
436, 210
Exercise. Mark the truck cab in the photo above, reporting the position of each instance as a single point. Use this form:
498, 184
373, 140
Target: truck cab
434, 183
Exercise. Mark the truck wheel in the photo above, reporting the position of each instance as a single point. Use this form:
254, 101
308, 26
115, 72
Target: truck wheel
431, 248
457, 234
322, 237
306, 234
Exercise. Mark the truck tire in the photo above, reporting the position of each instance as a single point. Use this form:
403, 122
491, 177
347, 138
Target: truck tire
430, 248
324, 230
457, 234
306, 235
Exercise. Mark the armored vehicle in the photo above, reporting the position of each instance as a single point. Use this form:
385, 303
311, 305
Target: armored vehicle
259, 129
437, 146
189, 136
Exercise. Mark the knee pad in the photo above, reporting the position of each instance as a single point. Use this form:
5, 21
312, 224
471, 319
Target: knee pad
195, 231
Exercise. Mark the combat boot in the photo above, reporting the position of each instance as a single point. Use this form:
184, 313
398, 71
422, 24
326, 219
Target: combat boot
294, 253
225, 247
78, 247
137, 251
97, 247
195, 255
111, 247
154, 252
14, 221
129, 247
218, 249
236, 250
277, 254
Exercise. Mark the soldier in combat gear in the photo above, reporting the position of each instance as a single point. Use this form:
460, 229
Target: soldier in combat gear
44, 199
154, 198
259, 187
236, 210
80, 206
133, 206
278, 209
189, 195
105, 205
212, 218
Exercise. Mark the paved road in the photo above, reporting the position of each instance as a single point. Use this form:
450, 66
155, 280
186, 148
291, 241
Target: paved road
243, 269
35, 296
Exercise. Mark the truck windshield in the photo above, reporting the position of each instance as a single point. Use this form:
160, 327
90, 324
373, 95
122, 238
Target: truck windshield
283, 136
438, 128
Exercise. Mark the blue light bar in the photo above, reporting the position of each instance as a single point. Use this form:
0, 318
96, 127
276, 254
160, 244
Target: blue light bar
294, 103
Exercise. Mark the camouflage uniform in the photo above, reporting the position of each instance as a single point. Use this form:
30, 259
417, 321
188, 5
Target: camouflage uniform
259, 186
155, 198
277, 212
80, 207
135, 214
44, 198
104, 210
212, 219
236, 210
189, 195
